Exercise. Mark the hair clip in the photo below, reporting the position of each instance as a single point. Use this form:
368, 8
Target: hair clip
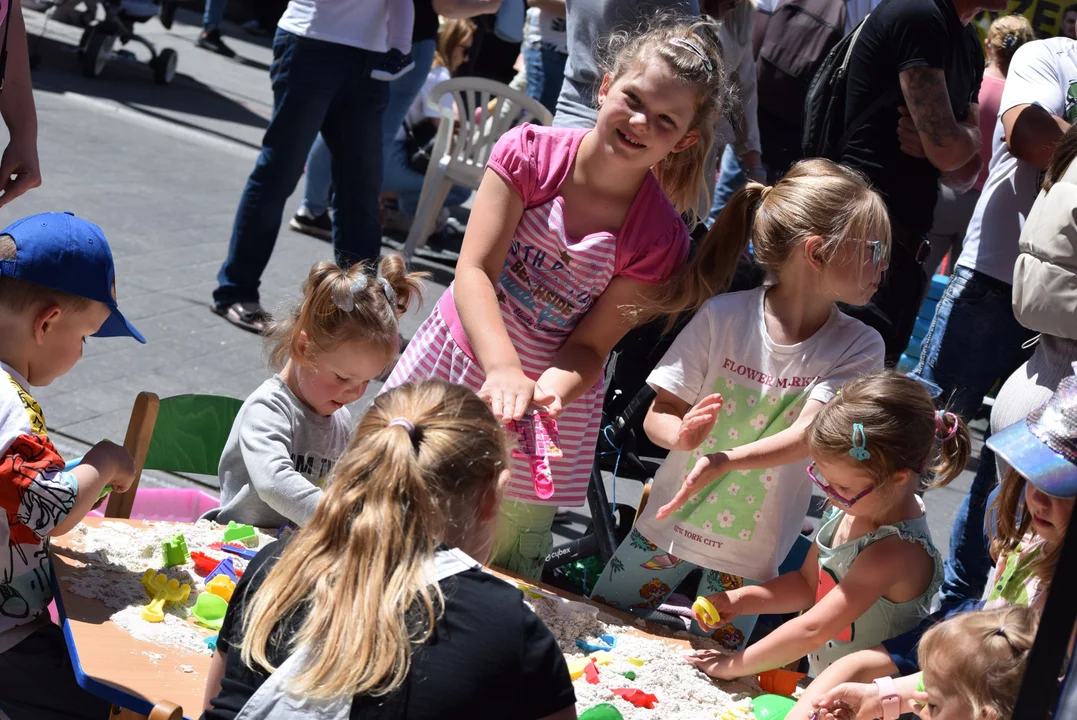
860, 440
345, 299
941, 431
689, 45
1010, 42
390, 294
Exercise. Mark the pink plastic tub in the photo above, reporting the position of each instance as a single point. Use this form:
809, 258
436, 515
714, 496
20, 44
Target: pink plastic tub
172, 504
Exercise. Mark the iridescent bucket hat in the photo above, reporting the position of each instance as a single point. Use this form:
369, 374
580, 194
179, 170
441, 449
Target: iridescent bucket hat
1043, 446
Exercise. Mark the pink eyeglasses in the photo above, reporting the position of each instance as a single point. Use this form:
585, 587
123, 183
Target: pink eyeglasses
822, 484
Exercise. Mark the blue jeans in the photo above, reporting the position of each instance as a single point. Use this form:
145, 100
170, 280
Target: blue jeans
731, 177
970, 563
399, 178
402, 93
323, 86
973, 342
545, 73
214, 14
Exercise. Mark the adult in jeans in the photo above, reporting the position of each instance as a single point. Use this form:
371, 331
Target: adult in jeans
1045, 302
323, 54
974, 339
313, 217
954, 211
913, 81
545, 50
741, 160
210, 38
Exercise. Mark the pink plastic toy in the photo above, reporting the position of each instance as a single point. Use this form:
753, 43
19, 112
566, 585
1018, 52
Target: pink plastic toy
538, 442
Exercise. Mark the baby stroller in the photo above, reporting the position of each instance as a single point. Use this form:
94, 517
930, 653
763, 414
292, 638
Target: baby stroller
98, 43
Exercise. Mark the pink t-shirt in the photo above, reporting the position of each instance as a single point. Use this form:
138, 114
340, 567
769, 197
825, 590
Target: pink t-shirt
989, 100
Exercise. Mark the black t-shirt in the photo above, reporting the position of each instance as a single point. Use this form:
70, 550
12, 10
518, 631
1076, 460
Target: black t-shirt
489, 657
426, 21
898, 35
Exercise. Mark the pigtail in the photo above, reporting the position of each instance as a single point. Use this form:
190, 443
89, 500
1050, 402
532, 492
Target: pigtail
955, 448
710, 269
343, 305
406, 287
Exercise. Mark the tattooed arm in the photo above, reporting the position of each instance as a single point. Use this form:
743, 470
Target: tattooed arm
947, 143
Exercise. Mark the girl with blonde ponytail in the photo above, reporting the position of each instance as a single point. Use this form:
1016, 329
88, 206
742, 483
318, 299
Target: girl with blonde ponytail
571, 229
290, 431
379, 607
739, 387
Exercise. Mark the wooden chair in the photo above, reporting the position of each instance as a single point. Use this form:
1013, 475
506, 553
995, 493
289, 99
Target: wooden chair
182, 434
486, 110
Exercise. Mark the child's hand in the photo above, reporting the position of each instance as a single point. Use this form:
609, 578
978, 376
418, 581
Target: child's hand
707, 470
698, 422
724, 605
508, 392
918, 703
850, 701
550, 402
114, 463
718, 664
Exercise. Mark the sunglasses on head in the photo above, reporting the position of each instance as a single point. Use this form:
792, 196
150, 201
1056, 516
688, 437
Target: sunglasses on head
823, 485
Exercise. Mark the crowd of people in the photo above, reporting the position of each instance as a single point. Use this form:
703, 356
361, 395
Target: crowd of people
783, 279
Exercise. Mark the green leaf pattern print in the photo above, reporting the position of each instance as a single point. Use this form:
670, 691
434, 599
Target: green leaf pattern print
732, 505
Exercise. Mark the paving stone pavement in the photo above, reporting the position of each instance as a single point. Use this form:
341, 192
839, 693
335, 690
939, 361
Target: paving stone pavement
161, 170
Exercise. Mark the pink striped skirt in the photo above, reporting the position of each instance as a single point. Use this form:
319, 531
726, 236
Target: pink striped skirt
433, 354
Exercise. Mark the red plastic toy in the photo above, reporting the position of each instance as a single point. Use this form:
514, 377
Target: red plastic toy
591, 672
203, 564
637, 697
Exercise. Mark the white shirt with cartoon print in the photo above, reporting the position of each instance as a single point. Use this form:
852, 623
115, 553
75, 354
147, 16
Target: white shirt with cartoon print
746, 521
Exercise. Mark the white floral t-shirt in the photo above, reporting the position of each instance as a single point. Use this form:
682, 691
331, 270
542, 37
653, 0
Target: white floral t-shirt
746, 522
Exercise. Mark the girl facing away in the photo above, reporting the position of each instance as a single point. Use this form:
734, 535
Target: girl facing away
973, 666
378, 607
1030, 516
572, 232
741, 384
292, 429
872, 571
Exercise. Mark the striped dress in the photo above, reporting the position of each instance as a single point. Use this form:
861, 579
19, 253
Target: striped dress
547, 284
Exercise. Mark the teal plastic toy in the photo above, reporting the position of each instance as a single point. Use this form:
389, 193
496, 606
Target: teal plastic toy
174, 551
772, 707
603, 711
240, 533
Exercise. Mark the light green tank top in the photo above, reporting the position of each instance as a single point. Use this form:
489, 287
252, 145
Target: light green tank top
884, 619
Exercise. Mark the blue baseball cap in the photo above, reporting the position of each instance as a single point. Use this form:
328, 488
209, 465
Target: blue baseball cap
65, 253
1043, 446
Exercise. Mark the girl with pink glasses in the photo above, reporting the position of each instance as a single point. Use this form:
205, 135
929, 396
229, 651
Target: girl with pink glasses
873, 569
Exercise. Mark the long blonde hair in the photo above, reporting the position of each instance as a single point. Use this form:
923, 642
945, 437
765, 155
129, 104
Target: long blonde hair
816, 197
681, 175
451, 35
980, 657
342, 305
901, 430
358, 570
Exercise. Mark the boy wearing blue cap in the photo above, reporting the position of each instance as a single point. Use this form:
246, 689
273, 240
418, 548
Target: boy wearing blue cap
57, 287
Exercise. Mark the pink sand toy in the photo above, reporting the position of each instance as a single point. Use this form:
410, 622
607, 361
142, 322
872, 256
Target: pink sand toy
538, 442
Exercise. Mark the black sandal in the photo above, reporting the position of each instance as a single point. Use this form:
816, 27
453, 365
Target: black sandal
250, 316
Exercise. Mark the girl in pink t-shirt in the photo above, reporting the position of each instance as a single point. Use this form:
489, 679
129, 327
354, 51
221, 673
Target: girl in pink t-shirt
573, 238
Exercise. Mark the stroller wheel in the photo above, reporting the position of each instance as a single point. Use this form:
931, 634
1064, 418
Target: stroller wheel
96, 52
164, 66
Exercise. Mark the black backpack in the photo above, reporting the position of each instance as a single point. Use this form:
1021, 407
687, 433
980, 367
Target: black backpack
825, 131
796, 40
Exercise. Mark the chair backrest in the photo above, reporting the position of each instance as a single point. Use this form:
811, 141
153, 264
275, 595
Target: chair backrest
190, 433
183, 433
487, 110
